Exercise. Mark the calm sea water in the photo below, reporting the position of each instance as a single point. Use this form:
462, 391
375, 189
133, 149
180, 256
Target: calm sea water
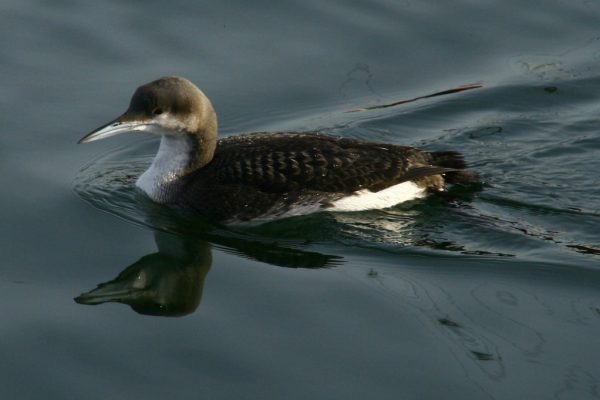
490, 294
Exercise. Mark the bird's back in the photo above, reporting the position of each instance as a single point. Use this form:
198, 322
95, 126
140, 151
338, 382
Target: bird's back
257, 174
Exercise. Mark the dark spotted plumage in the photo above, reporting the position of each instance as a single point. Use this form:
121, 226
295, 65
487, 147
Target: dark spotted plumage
265, 173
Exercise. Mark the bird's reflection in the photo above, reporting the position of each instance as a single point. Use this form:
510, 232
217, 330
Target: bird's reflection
170, 282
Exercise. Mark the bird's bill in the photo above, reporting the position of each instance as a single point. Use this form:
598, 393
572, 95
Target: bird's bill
113, 128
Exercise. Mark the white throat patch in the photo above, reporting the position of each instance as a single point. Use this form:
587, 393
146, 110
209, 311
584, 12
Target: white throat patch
172, 158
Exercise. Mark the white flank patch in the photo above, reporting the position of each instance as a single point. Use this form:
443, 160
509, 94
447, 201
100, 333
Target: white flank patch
367, 200
359, 201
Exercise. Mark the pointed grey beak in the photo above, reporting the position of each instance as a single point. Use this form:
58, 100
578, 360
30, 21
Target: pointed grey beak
115, 127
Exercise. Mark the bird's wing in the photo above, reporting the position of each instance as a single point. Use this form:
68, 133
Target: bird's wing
278, 163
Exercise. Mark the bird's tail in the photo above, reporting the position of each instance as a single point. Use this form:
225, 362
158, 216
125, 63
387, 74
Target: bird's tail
455, 161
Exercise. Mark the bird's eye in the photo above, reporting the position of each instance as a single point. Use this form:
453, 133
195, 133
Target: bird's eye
157, 111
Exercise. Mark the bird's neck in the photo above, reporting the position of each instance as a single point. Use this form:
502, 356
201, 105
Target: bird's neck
177, 156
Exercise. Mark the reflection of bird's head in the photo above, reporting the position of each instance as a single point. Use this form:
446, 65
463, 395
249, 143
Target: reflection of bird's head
157, 284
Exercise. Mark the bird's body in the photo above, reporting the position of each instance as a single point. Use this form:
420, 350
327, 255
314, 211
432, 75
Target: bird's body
264, 176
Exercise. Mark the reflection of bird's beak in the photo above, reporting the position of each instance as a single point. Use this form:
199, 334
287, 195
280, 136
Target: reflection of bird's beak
120, 125
111, 291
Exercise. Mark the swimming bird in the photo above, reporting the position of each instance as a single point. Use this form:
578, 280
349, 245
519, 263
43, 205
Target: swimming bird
264, 176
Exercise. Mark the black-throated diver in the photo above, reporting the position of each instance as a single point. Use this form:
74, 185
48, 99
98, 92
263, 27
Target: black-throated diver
264, 176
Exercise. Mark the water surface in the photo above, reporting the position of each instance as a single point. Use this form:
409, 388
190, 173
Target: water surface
489, 294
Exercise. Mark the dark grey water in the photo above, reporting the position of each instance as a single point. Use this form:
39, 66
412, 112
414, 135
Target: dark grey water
487, 295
